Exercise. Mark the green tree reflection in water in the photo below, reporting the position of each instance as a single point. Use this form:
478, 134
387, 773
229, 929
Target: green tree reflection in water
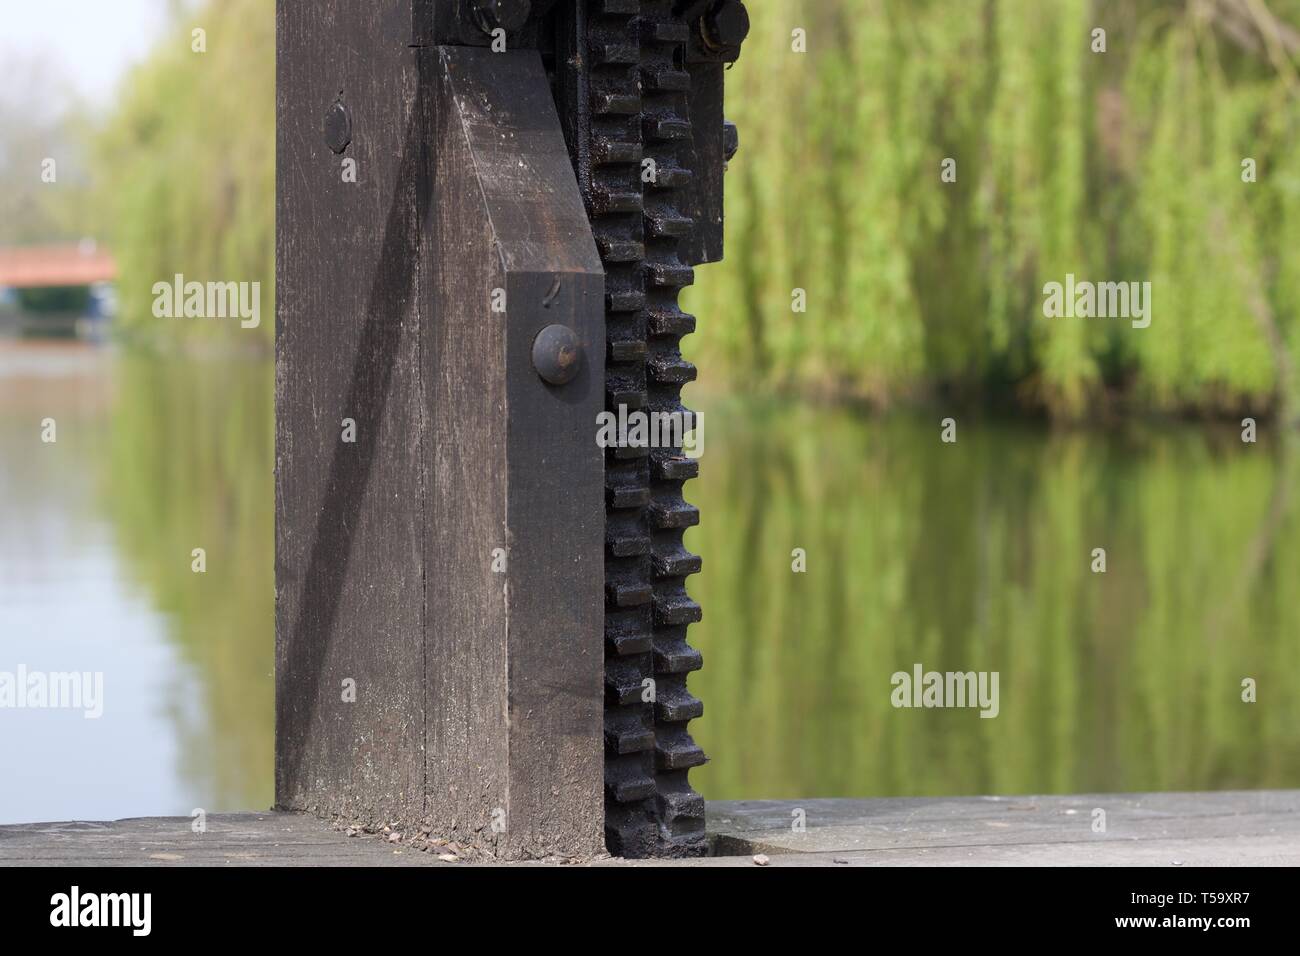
190, 466
973, 556
976, 556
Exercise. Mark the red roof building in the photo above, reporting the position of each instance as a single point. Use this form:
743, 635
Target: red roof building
35, 267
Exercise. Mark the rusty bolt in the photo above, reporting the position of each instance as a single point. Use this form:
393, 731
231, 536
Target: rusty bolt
509, 15
726, 25
337, 127
557, 354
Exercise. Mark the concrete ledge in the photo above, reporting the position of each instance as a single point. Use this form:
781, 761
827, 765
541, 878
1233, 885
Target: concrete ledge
1225, 828
1253, 828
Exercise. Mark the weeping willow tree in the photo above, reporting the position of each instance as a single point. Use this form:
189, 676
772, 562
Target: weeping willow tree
187, 169
1122, 165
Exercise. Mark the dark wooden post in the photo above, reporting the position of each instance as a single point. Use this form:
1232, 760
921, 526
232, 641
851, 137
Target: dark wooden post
439, 583
481, 615
515, 683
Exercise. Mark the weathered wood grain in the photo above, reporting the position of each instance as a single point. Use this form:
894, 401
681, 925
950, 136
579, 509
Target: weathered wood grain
478, 688
349, 537
515, 659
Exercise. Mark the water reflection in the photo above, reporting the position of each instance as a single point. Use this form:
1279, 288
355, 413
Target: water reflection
976, 556
973, 556
190, 467
152, 459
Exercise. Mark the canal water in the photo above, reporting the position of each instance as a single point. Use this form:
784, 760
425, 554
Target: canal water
972, 556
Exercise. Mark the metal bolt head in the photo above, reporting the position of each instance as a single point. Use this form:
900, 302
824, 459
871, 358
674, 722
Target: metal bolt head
509, 15
727, 25
557, 354
730, 140
337, 127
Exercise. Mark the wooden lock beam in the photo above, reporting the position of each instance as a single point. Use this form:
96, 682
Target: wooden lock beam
448, 563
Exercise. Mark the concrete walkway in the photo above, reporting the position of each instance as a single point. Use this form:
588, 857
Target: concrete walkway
1158, 829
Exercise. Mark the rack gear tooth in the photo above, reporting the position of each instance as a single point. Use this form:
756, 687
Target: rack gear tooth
666, 127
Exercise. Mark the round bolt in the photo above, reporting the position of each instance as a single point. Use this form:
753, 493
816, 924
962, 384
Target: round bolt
726, 26
557, 354
730, 140
337, 127
509, 15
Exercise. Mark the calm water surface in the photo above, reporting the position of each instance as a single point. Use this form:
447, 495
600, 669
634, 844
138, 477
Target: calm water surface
973, 556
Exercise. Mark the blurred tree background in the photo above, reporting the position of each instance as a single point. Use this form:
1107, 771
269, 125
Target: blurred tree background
40, 117
1122, 165
186, 170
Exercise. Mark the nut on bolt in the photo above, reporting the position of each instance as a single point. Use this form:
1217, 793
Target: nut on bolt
337, 127
725, 27
509, 15
557, 354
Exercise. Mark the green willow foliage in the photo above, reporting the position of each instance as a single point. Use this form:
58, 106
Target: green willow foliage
1123, 165
187, 169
